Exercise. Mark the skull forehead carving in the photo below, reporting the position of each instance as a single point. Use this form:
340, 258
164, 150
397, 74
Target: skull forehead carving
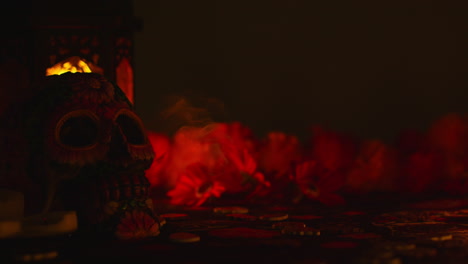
89, 150
95, 124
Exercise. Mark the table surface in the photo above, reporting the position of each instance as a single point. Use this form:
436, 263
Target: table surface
433, 231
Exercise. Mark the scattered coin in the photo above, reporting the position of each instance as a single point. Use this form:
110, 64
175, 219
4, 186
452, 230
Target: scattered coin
404, 246
341, 228
379, 256
383, 220
454, 219
243, 232
39, 256
301, 231
419, 252
184, 237
201, 225
281, 225
274, 217
442, 237
419, 228
361, 235
457, 242
245, 217
439, 204
231, 210
305, 217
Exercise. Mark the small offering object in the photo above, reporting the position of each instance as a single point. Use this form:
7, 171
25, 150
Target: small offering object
11, 212
184, 237
9, 228
11, 205
14, 223
53, 223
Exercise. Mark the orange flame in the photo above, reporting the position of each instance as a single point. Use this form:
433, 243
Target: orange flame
73, 64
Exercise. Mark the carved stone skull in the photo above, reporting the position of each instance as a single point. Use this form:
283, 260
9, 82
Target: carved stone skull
87, 150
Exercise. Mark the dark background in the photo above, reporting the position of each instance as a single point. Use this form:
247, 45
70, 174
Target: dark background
367, 68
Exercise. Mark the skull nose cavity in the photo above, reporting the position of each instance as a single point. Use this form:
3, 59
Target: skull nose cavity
118, 149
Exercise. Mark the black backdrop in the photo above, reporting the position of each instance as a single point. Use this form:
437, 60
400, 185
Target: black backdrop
370, 68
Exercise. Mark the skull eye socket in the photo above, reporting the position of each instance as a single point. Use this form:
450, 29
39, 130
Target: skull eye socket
131, 127
78, 129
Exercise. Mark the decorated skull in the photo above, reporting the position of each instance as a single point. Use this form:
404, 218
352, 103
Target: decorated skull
79, 145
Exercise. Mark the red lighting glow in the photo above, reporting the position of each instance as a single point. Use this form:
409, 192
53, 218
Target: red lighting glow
200, 165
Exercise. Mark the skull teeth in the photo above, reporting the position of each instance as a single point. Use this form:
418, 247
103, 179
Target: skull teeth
123, 187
